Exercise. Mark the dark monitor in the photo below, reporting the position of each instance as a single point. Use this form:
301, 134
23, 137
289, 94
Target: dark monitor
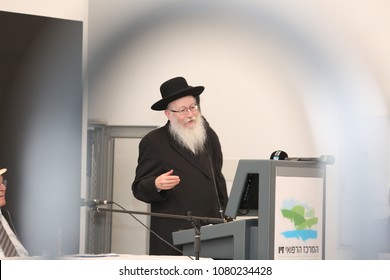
244, 194
249, 202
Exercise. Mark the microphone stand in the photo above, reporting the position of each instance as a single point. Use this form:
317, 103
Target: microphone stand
195, 220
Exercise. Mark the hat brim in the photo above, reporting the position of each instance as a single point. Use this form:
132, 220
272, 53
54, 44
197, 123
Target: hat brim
3, 170
163, 103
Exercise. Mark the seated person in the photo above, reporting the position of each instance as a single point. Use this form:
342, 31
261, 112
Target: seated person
14, 249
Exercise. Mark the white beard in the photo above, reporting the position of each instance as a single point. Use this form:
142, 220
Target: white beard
192, 138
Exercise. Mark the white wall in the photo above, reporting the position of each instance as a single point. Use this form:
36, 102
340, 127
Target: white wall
64, 9
305, 78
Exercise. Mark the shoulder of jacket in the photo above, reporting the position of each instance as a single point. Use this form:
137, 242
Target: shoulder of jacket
155, 134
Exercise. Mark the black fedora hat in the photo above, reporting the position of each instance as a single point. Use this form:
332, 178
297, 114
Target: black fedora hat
174, 89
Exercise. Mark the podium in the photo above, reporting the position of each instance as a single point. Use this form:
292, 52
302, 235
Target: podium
233, 241
277, 209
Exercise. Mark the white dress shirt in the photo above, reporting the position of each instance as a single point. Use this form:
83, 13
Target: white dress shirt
19, 247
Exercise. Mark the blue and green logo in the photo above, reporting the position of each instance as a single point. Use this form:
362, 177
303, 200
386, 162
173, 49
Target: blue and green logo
303, 219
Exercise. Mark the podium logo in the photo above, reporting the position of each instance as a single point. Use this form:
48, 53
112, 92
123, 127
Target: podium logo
302, 219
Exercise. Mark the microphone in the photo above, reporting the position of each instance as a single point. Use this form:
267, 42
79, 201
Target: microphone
92, 203
216, 189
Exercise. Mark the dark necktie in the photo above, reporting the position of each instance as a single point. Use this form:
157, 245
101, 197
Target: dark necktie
6, 243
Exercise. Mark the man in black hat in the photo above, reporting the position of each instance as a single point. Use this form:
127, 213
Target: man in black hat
179, 166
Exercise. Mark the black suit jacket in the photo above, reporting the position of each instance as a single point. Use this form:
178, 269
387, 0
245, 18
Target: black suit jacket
197, 192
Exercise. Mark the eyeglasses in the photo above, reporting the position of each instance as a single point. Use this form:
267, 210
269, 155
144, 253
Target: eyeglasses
184, 110
4, 182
